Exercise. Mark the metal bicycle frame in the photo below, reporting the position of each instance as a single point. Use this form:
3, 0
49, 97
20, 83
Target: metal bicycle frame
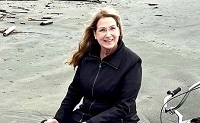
173, 110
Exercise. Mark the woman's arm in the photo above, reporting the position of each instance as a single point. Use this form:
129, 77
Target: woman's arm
71, 99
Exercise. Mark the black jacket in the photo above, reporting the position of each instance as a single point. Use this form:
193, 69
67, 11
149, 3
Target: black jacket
109, 87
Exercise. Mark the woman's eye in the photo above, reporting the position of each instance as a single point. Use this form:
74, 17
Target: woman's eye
112, 28
102, 30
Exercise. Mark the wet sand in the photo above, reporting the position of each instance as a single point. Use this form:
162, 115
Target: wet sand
34, 78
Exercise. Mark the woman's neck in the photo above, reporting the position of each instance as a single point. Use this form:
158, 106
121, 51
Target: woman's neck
106, 52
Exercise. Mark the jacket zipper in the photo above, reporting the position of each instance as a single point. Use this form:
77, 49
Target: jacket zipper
93, 87
91, 106
95, 80
81, 117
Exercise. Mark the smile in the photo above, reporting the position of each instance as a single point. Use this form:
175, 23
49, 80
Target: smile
108, 40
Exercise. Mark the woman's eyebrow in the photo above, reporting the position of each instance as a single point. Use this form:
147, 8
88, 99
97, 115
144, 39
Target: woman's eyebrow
109, 26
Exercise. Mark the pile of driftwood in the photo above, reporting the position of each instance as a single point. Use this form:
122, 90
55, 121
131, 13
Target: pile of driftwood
45, 20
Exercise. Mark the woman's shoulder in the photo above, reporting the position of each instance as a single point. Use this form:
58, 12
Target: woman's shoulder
130, 54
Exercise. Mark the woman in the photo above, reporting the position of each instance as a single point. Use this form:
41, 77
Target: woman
108, 76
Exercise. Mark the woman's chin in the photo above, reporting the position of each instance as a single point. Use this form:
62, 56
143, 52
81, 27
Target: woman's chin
108, 47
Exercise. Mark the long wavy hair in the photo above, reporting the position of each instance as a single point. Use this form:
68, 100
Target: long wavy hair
88, 38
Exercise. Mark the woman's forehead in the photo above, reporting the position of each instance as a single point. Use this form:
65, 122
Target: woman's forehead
106, 21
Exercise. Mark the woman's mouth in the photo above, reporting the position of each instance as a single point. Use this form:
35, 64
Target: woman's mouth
108, 40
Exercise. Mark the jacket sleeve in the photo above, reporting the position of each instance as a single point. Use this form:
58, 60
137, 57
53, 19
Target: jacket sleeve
71, 99
130, 87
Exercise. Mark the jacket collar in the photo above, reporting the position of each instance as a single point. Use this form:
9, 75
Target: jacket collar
113, 59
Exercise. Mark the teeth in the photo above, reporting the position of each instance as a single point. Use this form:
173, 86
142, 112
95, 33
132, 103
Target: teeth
108, 40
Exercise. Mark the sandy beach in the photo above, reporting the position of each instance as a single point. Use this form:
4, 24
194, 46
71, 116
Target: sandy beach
34, 77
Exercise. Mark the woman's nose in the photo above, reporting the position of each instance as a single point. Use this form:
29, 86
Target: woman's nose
108, 34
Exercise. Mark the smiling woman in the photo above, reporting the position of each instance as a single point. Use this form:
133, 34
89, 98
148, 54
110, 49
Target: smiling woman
108, 76
107, 35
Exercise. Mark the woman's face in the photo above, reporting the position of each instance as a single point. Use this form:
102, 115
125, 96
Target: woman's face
107, 33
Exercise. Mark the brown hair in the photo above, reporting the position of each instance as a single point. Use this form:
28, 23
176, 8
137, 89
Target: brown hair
88, 37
